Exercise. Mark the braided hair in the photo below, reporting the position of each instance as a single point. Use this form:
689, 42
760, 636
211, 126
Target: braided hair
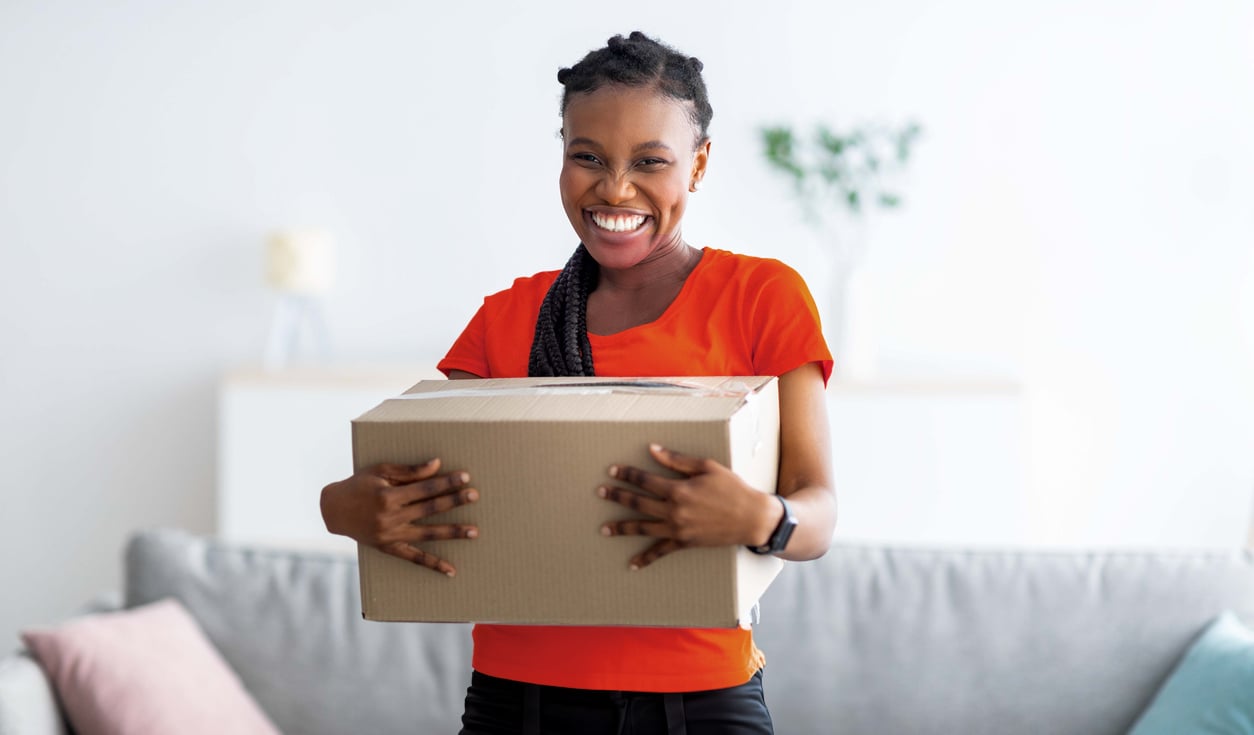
640, 61
560, 346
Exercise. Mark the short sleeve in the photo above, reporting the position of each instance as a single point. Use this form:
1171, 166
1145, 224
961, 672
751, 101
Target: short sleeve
786, 328
469, 352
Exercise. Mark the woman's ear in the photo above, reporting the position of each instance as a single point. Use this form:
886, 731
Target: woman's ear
699, 161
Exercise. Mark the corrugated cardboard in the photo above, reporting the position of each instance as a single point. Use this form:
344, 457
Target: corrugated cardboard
537, 449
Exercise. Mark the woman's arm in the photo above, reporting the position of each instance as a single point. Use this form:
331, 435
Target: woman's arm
805, 466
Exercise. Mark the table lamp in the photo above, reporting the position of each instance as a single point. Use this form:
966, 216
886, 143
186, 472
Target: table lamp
300, 267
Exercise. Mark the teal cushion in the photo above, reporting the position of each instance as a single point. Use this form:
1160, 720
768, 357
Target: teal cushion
1211, 689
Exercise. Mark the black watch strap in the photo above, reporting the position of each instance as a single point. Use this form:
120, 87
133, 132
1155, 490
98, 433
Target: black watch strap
779, 537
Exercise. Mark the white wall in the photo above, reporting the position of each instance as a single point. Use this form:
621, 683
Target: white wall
1079, 221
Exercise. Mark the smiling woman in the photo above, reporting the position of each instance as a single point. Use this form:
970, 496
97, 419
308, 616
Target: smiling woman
635, 300
624, 192
626, 199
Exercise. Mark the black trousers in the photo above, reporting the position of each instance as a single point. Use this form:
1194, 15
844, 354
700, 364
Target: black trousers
503, 707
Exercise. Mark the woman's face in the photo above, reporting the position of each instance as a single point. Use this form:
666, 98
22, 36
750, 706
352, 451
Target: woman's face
627, 169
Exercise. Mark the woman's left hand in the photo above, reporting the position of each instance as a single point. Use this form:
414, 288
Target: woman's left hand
708, 506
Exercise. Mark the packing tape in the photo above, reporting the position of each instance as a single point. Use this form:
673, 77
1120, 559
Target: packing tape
728, 389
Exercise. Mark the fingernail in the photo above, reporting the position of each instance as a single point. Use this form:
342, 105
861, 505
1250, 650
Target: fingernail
655, 447
635, 567
614, 469
472, 533
605, 531
603, 492
472, 495
463, 478
451, 572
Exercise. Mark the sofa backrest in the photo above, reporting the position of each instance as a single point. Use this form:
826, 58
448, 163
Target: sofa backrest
290, 625
868, 640
888, 641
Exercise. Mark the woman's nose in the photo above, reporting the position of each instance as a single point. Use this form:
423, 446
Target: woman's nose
615, 187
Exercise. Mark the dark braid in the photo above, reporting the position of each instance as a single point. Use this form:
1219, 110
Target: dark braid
640, 61
560, 346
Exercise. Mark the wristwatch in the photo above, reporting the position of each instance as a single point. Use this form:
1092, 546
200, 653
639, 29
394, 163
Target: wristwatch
779, 537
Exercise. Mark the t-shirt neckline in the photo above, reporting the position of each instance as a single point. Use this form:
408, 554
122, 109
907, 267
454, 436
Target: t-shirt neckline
666, 315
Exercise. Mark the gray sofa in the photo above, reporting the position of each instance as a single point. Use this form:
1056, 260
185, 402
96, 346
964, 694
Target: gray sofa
869, 640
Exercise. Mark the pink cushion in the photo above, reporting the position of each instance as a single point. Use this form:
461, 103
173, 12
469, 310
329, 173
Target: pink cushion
146, 670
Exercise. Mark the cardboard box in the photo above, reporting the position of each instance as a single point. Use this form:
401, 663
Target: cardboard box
537, 449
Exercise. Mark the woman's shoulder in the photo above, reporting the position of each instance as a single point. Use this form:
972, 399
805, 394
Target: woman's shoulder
751, 268
525, 288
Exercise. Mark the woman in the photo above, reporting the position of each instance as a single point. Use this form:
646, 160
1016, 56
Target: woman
634, 300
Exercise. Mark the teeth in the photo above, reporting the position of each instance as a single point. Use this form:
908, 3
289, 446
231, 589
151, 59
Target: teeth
618, 223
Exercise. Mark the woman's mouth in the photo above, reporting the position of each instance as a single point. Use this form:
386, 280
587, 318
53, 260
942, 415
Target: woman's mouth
619, 222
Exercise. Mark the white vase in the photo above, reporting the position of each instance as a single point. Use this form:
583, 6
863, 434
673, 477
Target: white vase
849, 323
848, 312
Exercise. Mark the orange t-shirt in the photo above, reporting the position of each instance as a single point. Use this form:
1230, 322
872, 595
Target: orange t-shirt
735, 315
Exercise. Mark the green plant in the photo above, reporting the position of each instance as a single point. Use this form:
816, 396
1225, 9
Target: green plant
837, 176
847, 171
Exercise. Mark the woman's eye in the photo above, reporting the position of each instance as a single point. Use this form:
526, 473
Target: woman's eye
585, 157
652, 162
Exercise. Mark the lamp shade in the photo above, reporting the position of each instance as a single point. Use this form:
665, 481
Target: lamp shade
301, 261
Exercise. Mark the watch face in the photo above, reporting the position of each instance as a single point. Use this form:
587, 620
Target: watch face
780, 540
779, 537
783, 532
785, 529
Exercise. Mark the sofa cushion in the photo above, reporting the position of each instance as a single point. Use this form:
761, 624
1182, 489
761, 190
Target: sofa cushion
1212, 689
290, 625
147, 671
871, 640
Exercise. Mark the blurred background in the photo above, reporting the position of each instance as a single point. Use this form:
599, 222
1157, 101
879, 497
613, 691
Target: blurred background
1053, 335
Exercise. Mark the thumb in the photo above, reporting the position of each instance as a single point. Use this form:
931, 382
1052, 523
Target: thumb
404, 474
685, 464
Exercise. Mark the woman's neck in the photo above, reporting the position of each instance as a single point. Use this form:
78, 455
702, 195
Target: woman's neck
666, 266
641, 294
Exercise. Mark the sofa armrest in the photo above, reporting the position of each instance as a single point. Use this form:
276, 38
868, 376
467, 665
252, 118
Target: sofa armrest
28, 705
104, 602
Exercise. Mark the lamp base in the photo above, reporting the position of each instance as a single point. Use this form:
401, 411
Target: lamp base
297, 320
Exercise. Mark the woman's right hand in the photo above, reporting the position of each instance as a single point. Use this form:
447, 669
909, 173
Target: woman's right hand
380, 506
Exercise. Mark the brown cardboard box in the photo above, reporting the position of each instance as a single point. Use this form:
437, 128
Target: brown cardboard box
537, 449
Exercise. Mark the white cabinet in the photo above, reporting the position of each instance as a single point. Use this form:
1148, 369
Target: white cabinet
914, 462
282, 436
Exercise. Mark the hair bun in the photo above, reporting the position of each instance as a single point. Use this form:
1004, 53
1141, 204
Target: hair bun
638, 36
563, 74
696, 63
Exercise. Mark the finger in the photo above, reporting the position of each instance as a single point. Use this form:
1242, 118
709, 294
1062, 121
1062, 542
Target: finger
405, 474
418, 510
413, 533
684, 464
637, 527
656, 484
439, 504
433, 487
419, 557
655, 552
444, 532
633, 500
